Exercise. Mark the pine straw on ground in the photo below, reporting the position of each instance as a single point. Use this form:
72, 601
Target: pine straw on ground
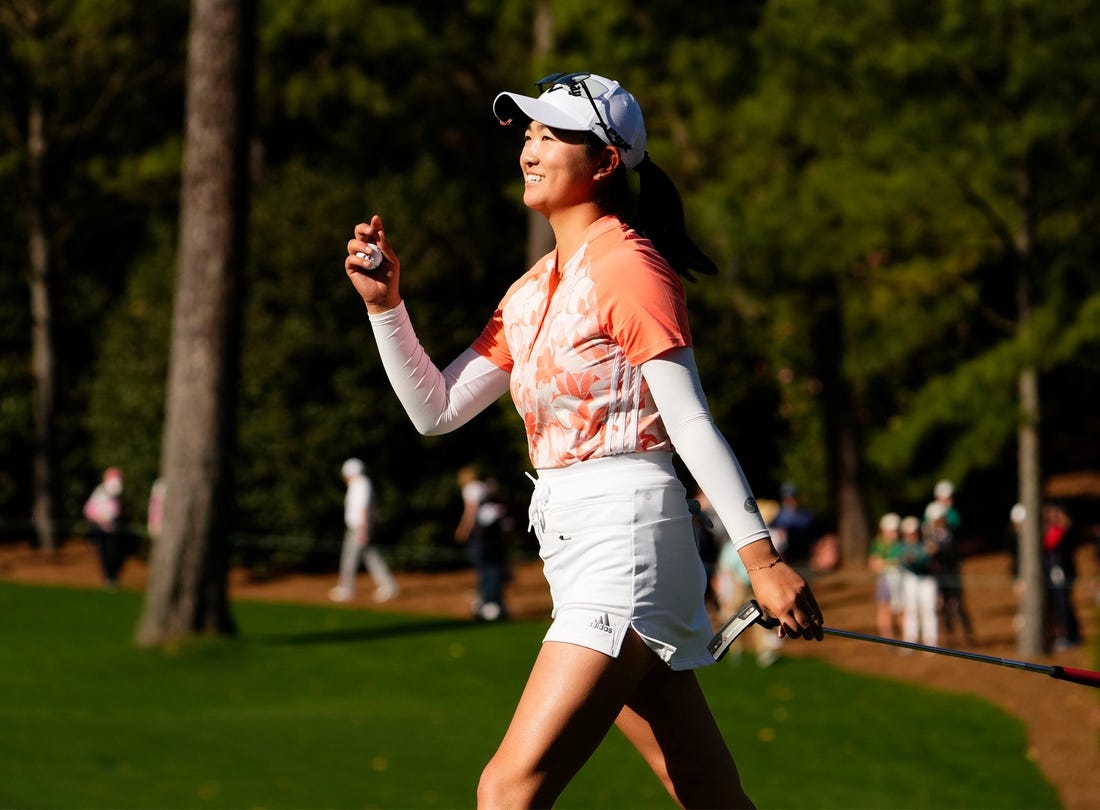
1063, 719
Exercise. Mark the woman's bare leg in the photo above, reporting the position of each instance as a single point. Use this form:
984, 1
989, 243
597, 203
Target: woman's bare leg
669, 722
571, 700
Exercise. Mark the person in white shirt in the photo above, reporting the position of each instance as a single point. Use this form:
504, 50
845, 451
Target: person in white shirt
359, 522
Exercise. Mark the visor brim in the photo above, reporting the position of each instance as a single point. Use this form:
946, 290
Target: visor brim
513, 108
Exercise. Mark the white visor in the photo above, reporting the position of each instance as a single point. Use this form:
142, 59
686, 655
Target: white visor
582, 102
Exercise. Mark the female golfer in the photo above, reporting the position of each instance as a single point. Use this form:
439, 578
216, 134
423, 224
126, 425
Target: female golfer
594, 344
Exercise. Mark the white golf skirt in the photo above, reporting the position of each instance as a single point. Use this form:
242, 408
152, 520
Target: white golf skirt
618, 551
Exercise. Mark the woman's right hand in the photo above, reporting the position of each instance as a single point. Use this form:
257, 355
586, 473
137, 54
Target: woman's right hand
784, 594
379, 288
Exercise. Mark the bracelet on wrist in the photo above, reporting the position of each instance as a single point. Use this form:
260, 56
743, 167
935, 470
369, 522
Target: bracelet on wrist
778, 559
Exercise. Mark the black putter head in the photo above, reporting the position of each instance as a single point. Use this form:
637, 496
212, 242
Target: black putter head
749, 614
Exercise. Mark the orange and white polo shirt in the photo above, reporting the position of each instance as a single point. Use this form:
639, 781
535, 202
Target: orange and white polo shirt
574, 343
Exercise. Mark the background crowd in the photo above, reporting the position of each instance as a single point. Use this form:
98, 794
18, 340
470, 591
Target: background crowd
916, 560
918, 565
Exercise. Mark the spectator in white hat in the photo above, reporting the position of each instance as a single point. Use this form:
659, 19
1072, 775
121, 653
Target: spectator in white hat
883, 560
920, 592
944, 496
948, 572
357, 547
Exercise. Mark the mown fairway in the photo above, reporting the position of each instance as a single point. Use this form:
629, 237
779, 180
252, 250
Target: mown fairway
316, 707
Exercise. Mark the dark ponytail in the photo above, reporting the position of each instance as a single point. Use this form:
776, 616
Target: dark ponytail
655, 212
659, 216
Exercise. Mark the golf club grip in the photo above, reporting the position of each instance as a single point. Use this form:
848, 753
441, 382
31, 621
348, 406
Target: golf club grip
1086, 677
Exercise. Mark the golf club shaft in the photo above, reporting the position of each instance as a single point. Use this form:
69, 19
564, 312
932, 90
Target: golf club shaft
751, 613
1081, 676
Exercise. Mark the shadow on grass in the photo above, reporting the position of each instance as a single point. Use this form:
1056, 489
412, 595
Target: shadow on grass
351, 635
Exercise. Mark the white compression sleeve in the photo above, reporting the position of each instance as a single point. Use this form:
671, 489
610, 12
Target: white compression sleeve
436, 401
674, 382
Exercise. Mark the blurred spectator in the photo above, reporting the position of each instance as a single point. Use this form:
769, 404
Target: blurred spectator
729, 581
1096, 551
793, 526
105, 510
359, 522
1016, 516
944, 499
918, 586
154, 521
883, 560
1060, 538
482, 529
733, 589
947, 568
826, 553
710, 537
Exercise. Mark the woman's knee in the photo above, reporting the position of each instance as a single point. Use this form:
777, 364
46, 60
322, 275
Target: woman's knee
502, 784
489, 787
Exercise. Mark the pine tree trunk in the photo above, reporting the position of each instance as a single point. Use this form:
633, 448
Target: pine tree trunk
42, 348
1029, 641
841, 430
853, 532
187, 592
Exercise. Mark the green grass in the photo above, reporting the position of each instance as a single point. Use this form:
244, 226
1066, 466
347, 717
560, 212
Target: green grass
317, 707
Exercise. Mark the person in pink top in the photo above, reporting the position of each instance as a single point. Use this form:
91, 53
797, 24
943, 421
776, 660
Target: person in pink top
104, 511
595, 346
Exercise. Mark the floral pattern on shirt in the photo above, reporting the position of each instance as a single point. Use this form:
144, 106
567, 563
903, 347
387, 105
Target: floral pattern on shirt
567, 348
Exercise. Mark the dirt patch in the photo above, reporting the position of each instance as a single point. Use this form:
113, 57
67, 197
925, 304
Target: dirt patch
1063, 719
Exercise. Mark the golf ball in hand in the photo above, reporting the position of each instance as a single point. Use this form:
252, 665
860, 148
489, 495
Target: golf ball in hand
374, 258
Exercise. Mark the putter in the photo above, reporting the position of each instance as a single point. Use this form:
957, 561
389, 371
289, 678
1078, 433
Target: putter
751, 613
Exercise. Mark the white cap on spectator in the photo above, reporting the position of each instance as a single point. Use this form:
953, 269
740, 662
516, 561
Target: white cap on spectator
352, 467
1018, 513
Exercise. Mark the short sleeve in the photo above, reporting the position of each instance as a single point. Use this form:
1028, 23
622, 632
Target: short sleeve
642, 303
491, 343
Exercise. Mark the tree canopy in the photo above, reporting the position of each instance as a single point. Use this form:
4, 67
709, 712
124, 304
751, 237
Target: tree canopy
861, 173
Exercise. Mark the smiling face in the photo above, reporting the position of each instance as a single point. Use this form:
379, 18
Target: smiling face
559, 170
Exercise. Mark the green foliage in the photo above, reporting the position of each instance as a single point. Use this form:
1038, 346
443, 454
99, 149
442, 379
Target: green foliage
107, 78
881, 155
847, 165
313, 391
127, 397
328, 707
16, 419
